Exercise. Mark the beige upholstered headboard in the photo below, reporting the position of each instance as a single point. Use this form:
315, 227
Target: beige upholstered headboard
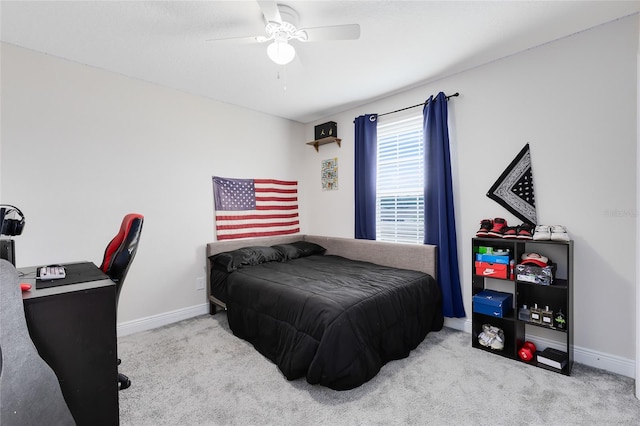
418, 257
406, 256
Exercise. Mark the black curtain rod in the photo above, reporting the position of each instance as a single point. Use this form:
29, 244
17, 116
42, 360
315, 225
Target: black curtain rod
417, 105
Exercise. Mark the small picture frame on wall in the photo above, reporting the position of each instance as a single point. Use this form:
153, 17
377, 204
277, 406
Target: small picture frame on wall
329, 175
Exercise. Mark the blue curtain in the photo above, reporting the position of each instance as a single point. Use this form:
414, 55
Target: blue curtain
366, 145
440, 226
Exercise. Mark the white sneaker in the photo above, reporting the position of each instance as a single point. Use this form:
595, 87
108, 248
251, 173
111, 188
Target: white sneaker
492, 337
498, 342
542, 233
485, 339
559, 233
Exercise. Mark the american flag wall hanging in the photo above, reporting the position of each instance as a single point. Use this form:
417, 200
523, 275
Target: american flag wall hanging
255, 207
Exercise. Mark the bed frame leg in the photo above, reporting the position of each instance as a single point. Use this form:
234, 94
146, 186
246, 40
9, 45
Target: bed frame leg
212, 308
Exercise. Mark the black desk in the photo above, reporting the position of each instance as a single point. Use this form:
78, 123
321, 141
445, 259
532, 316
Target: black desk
74, 329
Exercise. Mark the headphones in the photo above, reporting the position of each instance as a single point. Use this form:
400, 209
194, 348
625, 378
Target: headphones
11, 226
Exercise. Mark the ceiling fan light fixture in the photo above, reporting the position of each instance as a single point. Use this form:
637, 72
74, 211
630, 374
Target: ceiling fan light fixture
281, 52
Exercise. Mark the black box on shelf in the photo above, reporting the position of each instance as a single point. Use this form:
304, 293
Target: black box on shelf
553, 358
326, 130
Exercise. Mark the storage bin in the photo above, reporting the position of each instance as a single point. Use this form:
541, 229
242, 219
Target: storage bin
494, 303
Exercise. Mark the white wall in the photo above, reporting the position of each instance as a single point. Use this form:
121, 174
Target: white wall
574, 101
82, 147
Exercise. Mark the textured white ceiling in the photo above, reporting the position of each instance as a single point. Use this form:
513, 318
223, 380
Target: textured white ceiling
402, 44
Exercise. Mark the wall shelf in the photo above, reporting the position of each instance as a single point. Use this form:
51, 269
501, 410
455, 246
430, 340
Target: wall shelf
324, 141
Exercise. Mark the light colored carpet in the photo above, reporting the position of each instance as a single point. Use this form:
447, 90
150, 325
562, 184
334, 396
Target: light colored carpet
196, 372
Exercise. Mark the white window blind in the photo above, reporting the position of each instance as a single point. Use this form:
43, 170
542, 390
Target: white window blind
400, 181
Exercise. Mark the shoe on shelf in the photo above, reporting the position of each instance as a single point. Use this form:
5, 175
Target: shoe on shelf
559, 233
525, 232
485, 339
499, 225
510, 232
485, 227
498, 341
542, 233
492, 337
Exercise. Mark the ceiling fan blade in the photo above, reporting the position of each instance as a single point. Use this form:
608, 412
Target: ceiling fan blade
337, 32
270, 11
238, 40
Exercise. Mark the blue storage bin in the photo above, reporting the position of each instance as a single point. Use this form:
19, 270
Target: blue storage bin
494, 303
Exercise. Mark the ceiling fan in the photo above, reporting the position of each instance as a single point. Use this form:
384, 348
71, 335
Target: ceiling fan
282, 27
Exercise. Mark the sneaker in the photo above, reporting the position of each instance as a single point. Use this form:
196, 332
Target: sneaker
498, 228
498, 341
510, 232
542, 233
525, 232
485, 227
492, 337
559, 233
485, 339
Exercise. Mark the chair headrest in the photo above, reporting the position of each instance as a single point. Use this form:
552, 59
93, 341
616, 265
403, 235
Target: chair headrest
115, 245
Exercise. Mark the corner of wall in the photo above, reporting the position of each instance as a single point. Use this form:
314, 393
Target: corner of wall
637, 367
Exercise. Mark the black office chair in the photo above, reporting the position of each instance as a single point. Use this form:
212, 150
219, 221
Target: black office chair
117, 259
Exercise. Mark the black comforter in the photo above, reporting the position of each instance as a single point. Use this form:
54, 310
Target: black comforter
334, 320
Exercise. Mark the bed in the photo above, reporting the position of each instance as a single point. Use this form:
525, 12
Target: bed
333, 310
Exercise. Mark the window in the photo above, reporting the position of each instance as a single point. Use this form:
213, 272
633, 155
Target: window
400, 181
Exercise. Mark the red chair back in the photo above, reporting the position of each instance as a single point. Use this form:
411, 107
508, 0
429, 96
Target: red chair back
122, 249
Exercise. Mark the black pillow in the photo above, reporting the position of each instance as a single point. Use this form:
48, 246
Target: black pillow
299, 249
230, 261
288, 251
307, 249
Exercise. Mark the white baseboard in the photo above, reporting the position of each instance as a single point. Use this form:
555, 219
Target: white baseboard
462, 324
608, 362
155, 321
611, 363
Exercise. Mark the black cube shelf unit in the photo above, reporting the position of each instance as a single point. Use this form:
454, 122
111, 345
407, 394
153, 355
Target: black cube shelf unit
558, 295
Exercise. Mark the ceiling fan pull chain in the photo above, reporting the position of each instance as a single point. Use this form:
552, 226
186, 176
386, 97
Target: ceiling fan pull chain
284, 69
